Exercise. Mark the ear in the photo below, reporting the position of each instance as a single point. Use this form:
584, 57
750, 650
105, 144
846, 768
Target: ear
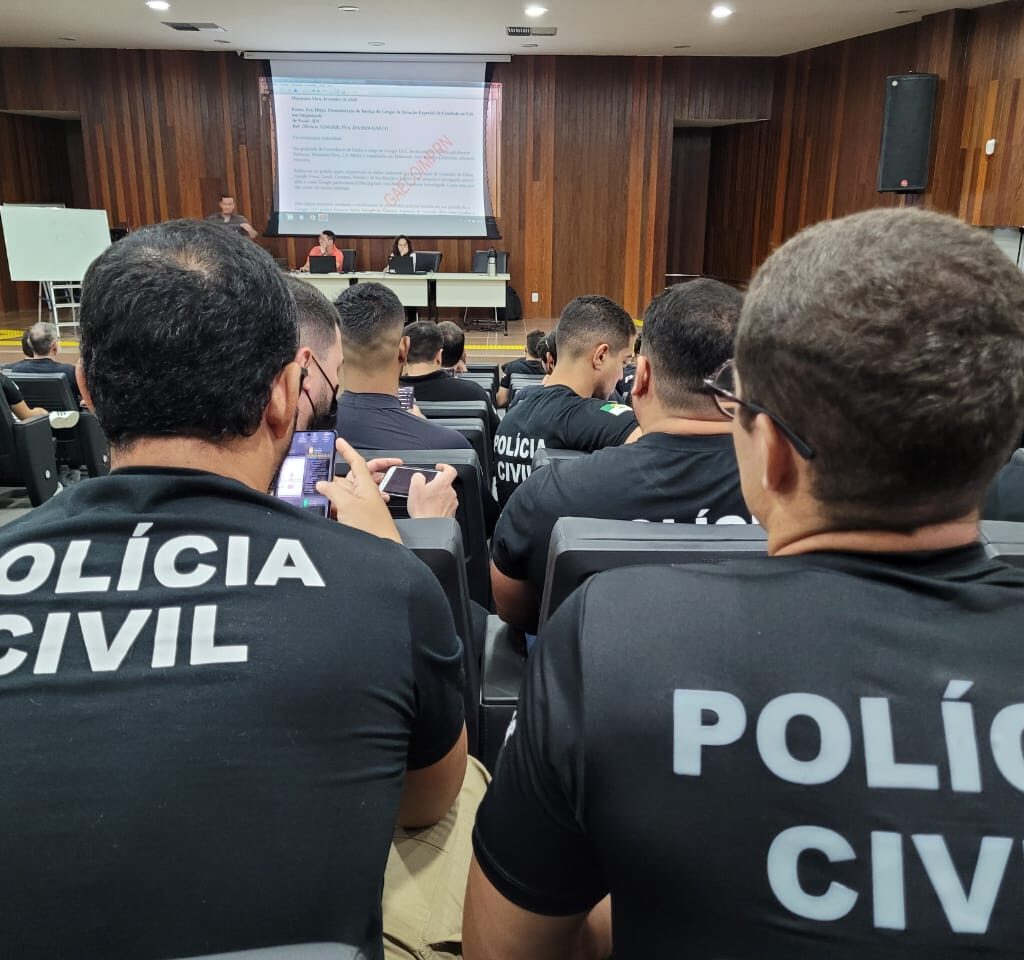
642, 380
83, 387
780, 461
303, 356
284, 400
437, 357
403, 350
600, 356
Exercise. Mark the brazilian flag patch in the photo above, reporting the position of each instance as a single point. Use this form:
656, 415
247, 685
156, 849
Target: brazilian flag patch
615, 409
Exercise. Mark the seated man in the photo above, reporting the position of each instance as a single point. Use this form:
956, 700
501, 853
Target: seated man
370, 416
815, 753
19, 406
595, 336
325, 248
241, 699
532, 363
682, 470
41, 345
453, 351
429, 380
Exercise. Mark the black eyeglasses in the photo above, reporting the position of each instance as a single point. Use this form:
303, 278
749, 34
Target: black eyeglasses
333, 386
721, 386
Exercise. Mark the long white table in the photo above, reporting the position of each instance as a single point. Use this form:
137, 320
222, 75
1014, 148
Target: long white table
413, 289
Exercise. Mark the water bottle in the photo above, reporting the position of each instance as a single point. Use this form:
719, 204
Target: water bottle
492, 262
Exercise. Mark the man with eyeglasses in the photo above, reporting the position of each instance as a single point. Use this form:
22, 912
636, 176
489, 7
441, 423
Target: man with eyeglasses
817, 753
682, 470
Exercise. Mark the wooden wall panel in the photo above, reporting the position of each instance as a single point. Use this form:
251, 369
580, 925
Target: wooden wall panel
688, 213
33, 169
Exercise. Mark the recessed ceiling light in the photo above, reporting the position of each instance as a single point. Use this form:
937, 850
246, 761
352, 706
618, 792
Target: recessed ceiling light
531, 44
70, 39
158, 5
720, 11
222, 41
535, 11
375, 43
682, 46
905, 11
349, 9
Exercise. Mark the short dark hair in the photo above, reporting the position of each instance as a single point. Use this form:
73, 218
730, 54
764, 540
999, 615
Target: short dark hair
892, 341
318, 320
184, 328
689, 332
548, 346
372, 318
425, 340
227, 196
532, 339
589, 321
394, 246
39, 338
454, 343
327, 233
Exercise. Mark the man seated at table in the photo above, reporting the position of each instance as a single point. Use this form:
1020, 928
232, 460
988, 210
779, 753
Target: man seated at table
325, 248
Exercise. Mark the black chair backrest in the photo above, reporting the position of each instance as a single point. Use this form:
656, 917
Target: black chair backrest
428, 261
476, 433
489, 381
458, 409
437, 541
491, 368
480, 261
470, 515
523, 381
1004, 539
546, 455
581, 547
27, 454
501, 674
48, 390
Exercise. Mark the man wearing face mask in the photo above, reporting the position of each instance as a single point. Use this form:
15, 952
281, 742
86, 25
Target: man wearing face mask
230, 703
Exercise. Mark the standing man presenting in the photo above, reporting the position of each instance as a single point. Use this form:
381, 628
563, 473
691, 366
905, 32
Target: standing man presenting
228, 217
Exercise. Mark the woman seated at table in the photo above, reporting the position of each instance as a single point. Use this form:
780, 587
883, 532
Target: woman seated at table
325, 248
402, 247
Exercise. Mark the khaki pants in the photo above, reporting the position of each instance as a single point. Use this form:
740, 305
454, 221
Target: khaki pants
425, 879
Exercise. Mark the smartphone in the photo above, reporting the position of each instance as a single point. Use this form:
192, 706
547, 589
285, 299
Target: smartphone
397, 480
406, 397
310, 458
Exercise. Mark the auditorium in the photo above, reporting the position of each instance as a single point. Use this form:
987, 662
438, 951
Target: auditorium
537, 480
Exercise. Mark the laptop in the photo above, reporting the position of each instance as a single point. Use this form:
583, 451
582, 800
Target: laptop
400, 265
323, 264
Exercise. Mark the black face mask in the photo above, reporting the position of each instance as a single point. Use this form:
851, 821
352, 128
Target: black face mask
324, 419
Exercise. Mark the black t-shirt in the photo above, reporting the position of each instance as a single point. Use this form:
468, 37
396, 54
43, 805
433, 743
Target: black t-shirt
376, 421
1005, 499
12, 392
209, 701
524, 365
662, 478
48, 365
554, 417
681, 770
442, 386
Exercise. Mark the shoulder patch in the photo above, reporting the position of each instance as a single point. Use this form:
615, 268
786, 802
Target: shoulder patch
616, 409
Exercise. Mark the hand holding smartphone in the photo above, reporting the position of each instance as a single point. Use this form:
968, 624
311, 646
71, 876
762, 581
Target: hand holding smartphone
397, 480
310, 458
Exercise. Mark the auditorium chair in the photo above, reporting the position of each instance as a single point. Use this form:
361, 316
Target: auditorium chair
1004, 539
580, 548
546, 455
476, 433
470, 514
26, 455
85, 443
459, 409
520, 382
491, 368
437, 541
488, 381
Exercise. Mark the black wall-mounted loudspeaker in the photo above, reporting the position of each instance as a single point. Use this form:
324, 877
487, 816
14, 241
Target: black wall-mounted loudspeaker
907, 132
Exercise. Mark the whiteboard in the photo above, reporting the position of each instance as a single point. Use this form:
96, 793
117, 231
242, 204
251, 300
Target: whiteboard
48, 243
